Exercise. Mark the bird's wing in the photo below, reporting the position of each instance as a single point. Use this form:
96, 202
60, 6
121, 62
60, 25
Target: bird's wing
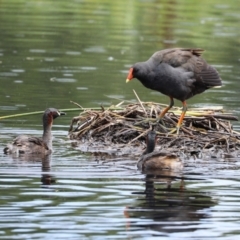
28, 140
190, 60
38, 141
177, 57
208, 75
162, 154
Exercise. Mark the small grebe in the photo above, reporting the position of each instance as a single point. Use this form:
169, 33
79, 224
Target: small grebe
24, 144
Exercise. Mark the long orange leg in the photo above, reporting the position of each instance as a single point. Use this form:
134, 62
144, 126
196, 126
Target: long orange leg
166, 109
184, 109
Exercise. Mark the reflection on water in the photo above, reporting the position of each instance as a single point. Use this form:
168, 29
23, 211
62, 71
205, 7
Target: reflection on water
164, 208
52, 52
47, 178
70, 194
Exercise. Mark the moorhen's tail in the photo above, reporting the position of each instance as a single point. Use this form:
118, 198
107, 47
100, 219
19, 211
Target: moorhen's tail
210, 77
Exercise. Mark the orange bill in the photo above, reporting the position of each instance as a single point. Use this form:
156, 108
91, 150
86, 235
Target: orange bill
130, 75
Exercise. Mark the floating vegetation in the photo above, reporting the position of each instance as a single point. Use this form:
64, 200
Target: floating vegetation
121, 129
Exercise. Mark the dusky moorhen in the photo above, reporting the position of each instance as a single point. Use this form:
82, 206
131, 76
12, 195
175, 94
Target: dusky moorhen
178, 73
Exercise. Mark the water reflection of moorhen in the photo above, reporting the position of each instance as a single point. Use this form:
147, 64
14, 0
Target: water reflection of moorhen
24, 144
151, 160
178, 73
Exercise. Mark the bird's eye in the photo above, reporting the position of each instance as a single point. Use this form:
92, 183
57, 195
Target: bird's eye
135, 71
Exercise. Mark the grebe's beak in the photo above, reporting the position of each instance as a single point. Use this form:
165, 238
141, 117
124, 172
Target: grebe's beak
62, 113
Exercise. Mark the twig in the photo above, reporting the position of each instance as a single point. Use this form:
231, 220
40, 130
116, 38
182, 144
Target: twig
136, 138
140, 102
76, 104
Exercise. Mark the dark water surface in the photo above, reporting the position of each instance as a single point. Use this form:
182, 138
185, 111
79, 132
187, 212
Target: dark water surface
52, 52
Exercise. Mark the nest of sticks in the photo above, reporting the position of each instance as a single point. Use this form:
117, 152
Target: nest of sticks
121, 130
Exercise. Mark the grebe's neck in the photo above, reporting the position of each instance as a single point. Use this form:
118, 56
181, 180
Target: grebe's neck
151, 141
47, 130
